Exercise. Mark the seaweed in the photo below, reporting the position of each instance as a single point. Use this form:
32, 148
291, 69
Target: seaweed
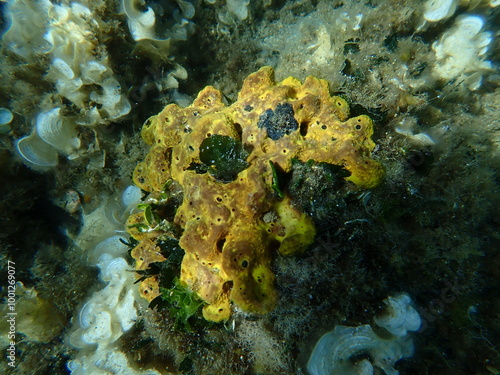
221, 156
183, 305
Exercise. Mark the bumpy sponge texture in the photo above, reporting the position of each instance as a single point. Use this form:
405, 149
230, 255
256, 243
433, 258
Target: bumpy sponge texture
232, 226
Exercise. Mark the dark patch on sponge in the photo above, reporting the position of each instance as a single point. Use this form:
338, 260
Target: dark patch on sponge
279, 122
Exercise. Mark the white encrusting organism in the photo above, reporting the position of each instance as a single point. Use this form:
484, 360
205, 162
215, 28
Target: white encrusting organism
336, 351
400, 316
36, 152
406, 127
52, 134
79, 70
460, 52
438, 10
110, 311
6, 118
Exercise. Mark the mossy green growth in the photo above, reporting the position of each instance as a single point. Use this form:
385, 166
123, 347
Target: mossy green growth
223, 157
183, 305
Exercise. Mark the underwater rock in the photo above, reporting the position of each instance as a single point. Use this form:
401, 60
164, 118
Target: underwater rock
70, 201
336, 351
225, 160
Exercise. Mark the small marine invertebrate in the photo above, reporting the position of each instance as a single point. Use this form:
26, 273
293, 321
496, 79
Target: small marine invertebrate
224, 159
25, 21
57, 132
406, 126
114, 245
234, 10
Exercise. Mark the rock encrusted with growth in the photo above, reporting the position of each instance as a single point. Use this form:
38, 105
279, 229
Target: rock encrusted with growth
227, 161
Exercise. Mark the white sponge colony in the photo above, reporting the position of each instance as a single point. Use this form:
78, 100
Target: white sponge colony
460, 52
26, 20
106, 362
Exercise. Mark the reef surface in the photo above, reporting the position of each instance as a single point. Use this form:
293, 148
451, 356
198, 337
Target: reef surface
79, 79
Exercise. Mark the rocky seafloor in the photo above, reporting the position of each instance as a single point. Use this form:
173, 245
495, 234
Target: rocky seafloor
425, 72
